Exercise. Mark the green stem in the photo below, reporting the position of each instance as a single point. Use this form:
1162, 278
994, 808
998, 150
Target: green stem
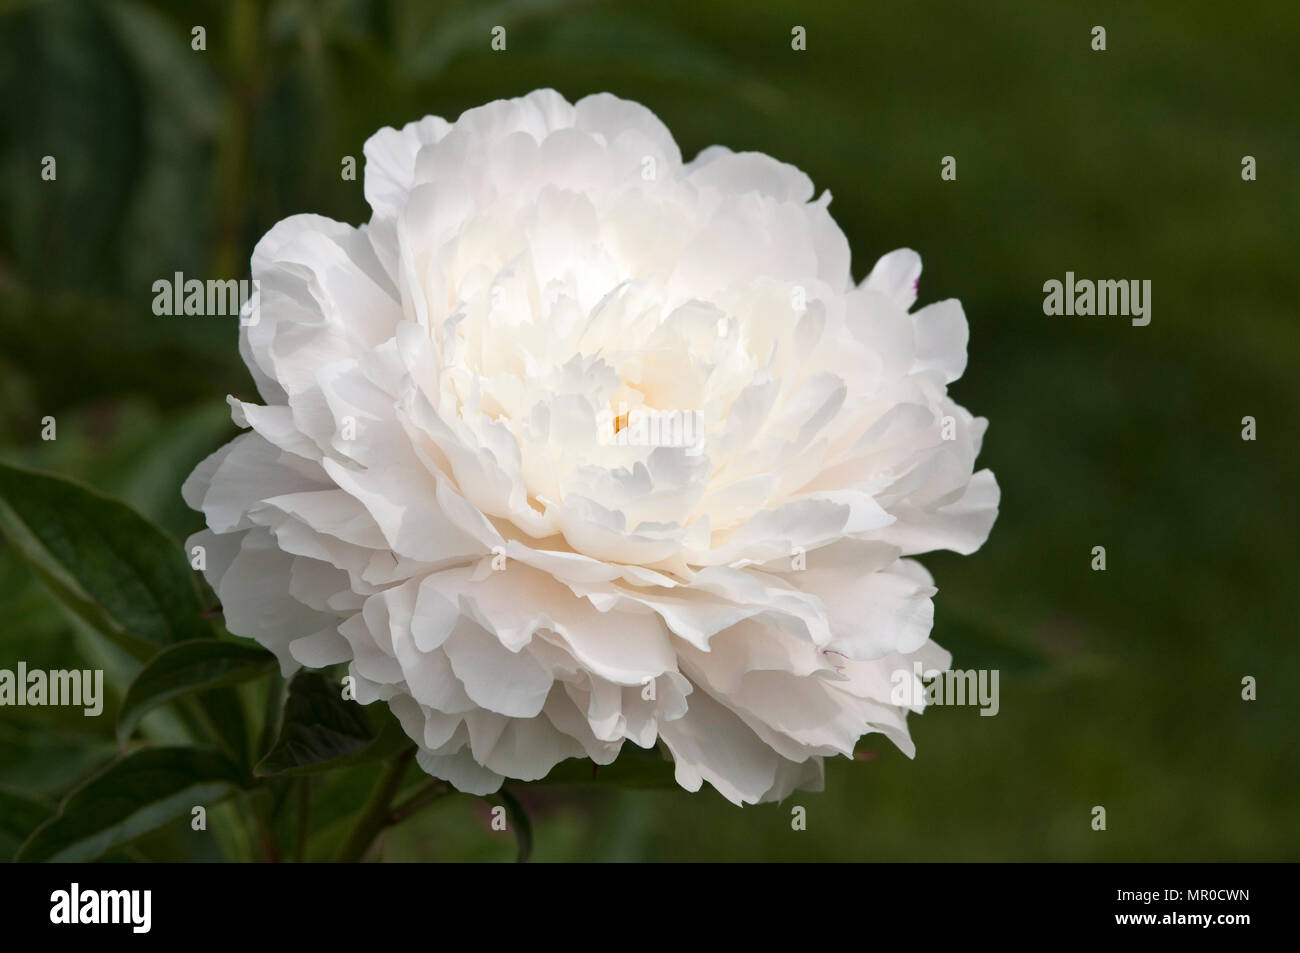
243, 58
304, 819
265, 835
425, 795
374, 816
270, 715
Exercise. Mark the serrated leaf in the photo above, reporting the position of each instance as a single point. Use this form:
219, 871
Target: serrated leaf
107, 563
320, 731
131, 797
194, 666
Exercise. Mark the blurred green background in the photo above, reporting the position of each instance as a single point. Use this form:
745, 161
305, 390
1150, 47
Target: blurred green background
1119, 689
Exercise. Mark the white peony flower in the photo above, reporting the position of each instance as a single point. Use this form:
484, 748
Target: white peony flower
456, 483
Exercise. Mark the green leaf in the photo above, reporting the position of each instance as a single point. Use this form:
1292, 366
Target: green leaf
320, 731
634, 768
20, 814
160, 461
180, 81
131, 797
223, 711
194, 666
107, 563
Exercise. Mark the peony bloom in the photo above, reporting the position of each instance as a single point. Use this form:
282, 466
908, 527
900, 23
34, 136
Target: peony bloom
575, 444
